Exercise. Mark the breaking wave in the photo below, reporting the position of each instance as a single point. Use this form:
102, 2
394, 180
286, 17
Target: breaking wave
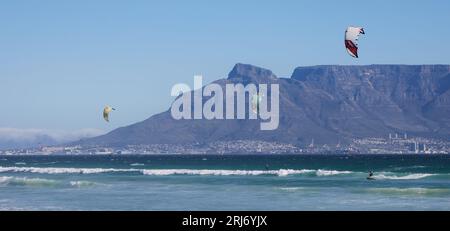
24, 181
166, 172
81, 184
137, 164
280, 172
331, 172
217, 172
294, 189
414, 176
63, 170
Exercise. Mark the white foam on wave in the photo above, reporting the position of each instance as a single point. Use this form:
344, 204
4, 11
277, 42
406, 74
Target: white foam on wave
5, 179
293, 189
24, 181
321, 172
137, 164
414, 176
81, 183
280, 172
166, 172
63, 170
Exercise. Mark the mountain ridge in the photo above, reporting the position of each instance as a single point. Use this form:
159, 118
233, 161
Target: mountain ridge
327, 103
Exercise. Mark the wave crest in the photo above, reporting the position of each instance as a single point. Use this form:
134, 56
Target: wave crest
81, 183
24, 181
137, 164
414, 176
166, 172
63, 170
214, 172
280, 172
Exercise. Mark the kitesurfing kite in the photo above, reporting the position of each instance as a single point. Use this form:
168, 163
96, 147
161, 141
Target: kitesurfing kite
256, 101
106, 112
351, 40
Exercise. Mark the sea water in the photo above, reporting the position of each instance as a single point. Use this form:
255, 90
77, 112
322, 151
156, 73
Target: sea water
225, 182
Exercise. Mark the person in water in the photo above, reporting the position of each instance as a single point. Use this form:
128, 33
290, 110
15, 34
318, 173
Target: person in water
370, 175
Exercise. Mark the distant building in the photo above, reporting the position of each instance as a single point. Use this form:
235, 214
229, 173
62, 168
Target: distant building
413, 147
422, 147
312, 144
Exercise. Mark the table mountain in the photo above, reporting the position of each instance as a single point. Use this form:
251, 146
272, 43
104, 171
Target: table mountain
329, 104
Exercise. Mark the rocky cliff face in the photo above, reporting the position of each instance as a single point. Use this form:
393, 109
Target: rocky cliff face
378, 98
325, 103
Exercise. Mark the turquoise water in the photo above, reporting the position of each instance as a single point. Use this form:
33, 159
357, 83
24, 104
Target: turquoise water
234, 182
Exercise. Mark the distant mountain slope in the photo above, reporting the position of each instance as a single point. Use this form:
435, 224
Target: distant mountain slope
15, 138
325, 103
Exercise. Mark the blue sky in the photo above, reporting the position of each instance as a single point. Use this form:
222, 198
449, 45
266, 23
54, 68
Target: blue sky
62, 61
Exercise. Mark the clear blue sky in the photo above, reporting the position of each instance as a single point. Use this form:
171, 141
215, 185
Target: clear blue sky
62, 61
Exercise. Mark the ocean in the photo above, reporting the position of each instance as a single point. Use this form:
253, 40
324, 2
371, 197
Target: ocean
225, 182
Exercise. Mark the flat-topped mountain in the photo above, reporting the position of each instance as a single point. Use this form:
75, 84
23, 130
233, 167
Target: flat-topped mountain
329, 104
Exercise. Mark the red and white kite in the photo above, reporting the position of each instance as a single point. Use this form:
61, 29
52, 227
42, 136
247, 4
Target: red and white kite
351, 40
